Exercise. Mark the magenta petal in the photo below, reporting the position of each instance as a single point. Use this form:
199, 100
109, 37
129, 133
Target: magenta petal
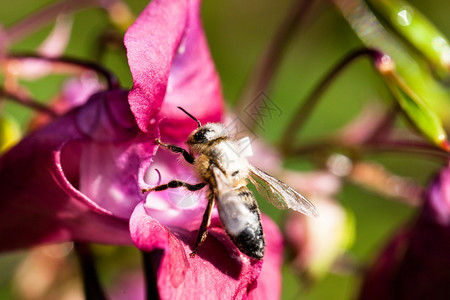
171, 66
269, 282
152, 42
193, 82
219, 270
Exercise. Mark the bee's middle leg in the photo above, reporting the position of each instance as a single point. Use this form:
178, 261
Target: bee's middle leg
176, 184
203, 231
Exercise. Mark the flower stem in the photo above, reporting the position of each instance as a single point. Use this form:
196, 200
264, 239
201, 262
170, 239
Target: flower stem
386, 125
48, 14
28, 102
309, 104
111, 79
109, 39
407, 147
265, 68
91, 282
374, 177
377, 146
150, 276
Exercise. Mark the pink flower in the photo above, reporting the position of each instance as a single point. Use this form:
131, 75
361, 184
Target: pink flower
80, 177
167, 222
93, 159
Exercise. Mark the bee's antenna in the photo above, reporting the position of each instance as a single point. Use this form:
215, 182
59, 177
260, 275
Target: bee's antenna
194, 118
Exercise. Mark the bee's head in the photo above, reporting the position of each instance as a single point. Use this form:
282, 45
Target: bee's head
205, 134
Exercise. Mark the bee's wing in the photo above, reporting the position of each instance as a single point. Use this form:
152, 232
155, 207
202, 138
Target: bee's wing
280, 194
222, 183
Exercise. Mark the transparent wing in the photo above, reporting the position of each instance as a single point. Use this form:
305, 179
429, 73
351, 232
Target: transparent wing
280, 194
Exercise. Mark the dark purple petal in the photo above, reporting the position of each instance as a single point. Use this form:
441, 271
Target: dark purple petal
39, 178
437, 206
416, 264
219, 270
110, 167
171, 66
379, 280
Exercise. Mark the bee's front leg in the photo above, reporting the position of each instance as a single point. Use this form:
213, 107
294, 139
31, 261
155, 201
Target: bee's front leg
176, 184
176, 149
203, 231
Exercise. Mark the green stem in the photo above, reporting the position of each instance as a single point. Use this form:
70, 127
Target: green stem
263, 73
150, 276
91, 282
405, 146
27, 26
377, 146
387, 123
28, 102
309, 104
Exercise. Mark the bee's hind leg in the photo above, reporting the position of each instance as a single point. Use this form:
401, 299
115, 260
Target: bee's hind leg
203, 231
176, 184
176, 149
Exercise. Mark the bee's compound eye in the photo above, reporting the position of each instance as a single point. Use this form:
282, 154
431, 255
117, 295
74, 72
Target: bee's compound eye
201, 136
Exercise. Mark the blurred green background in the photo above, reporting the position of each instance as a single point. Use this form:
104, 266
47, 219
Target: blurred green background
238, 32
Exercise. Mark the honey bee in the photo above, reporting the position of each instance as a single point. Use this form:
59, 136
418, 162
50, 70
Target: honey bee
221, 163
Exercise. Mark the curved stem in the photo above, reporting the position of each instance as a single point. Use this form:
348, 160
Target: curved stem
91, 282
265, 68
386, 124
108, 39
31, 103
407, 147
374, 147
111, 79
46, 15
309, 104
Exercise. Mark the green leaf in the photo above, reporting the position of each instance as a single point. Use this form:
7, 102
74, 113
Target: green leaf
424, 100
418, 112
417, 30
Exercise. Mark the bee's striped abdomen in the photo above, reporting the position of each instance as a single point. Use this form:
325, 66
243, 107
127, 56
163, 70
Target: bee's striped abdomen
240, 217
